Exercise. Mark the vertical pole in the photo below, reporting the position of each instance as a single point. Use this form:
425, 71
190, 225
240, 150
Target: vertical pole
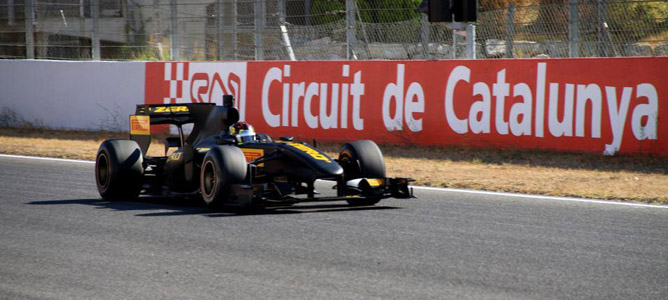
307, 12
286, 42
30, 37
95, 35
260, 13
573, 32
235, 34
157, 16
11, 12
281, 12
510, 31
173, 29
364, 34
600, 28
284, 30
454, 43
351, 23
424, 35
470, 41
219, 29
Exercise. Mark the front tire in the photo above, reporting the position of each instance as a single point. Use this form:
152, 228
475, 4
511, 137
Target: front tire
362, 159
222, 167
119, 170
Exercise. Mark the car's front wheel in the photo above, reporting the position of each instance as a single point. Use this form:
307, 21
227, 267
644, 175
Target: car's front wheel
222, 167
362, 159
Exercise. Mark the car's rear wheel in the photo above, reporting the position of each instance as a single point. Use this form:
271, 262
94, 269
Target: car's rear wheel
119, 170
222, 167
362, 159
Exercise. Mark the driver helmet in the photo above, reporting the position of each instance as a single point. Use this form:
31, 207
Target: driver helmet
243, 132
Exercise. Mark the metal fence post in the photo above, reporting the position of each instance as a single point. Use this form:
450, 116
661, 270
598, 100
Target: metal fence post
11, 12
470, 41
235, 33
364, 33
455, 37
173, 30
219, 29
30, 37
351, 23
510, 31
307, 12
282, 24
424, 35
260, 18
95, 34
573, 31
601, 28
281, 12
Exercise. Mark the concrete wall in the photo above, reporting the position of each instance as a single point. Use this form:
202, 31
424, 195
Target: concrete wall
72, 95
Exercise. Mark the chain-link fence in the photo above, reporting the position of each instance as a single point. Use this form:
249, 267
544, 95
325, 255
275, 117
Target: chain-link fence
325, 29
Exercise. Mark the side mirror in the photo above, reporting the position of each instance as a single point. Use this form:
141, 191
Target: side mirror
286, 138
228, 100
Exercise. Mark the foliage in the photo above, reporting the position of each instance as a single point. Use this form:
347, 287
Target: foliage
637, 19
388, 11
485, 5
371, 11
327, 11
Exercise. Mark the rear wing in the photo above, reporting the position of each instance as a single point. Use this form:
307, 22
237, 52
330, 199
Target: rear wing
207, 118
177, 114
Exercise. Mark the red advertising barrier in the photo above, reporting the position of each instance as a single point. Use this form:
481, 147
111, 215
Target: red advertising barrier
605, 105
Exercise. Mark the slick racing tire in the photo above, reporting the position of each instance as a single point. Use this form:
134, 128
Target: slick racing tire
362, 159
119, 170
222, 167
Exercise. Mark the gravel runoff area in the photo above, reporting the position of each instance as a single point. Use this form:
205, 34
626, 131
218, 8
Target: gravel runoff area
617, 178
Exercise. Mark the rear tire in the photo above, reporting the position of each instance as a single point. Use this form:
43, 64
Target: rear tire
222, 167
362, 159
119, 170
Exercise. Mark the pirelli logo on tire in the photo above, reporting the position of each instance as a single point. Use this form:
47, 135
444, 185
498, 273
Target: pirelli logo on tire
140, 125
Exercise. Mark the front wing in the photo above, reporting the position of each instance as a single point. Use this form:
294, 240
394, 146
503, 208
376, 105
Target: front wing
357, 189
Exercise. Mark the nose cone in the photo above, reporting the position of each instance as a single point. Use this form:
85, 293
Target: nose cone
334, 168
321, 164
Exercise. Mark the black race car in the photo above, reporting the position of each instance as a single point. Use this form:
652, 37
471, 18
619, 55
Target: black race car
210, 162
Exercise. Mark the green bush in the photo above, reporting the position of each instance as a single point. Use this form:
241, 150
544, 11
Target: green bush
634, 20
327, 11
371, 11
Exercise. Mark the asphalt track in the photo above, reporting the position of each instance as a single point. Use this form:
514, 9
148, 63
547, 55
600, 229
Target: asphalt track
58, 240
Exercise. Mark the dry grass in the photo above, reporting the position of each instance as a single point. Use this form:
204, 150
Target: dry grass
629, 178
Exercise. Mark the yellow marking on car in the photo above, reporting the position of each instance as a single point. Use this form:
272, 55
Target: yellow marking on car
168, 109
310, 151
374, 182
203, 149
253, 154
175, 156
140, 125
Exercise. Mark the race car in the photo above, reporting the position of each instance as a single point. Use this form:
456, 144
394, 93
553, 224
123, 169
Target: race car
225, 163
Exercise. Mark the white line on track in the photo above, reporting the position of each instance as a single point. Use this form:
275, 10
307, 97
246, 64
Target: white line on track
49, 158
516, 195
529, 196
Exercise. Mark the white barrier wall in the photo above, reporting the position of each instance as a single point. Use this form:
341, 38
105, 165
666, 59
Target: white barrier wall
72, 95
